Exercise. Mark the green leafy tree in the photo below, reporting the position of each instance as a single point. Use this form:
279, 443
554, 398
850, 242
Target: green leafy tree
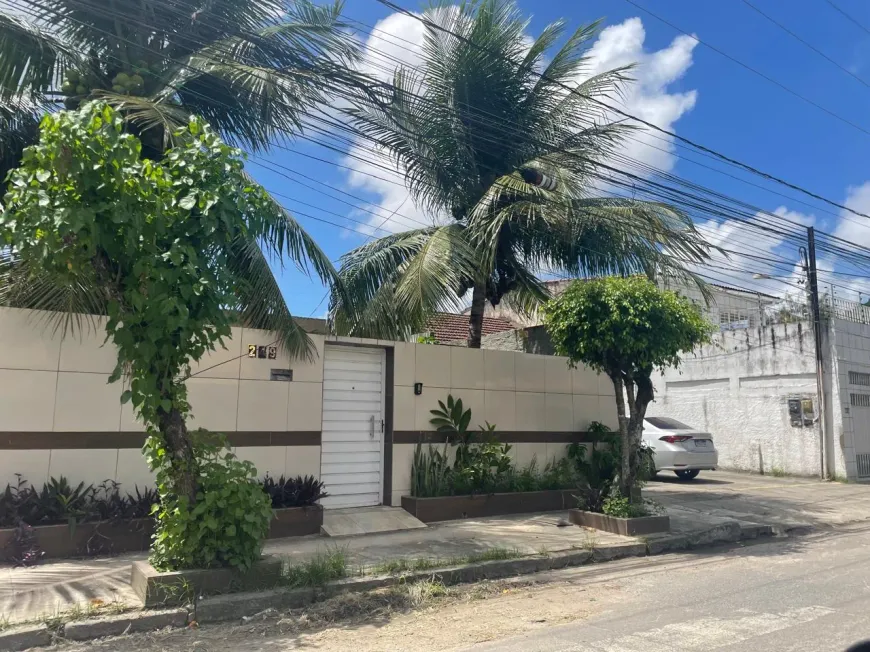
504, 159
250, 69
626, 328
156, 244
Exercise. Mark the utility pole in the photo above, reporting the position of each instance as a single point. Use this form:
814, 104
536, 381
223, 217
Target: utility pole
815, 315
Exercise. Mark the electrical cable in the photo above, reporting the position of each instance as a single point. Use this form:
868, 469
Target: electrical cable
327, 221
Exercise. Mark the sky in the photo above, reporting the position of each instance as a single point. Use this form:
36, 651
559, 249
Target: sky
731, 100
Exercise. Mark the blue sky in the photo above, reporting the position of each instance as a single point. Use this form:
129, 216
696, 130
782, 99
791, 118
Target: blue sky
683, 86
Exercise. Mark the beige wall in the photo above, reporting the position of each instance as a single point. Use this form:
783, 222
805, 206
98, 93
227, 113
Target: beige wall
55, 384
518, 392
56, 387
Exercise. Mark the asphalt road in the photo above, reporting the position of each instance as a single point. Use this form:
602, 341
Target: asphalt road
809, 593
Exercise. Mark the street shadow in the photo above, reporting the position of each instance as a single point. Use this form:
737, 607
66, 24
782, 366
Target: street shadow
665, 477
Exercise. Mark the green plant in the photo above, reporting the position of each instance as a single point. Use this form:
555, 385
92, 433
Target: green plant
481, 464
293, 492
492, 176
228, 521
430, 472
157, 247
324, 567
626, 328
59, 502
453, 420
251, 67
778, 472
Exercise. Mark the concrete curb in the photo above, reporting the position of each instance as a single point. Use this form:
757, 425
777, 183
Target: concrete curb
83, 630
25, 637
235, 606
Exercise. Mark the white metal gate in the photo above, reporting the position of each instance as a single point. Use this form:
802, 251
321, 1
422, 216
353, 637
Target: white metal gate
860, 412
353, 425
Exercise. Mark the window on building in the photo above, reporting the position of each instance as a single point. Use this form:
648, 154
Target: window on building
733, 319
860, 400
859, 378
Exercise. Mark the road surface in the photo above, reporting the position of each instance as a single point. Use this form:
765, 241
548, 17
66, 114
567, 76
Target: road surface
799, 594
810, 593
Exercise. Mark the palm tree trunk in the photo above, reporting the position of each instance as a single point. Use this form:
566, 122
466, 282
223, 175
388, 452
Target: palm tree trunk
180, 448
475, 319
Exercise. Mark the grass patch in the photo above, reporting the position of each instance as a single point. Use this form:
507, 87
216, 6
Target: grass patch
777, 472
321, 569
400, 566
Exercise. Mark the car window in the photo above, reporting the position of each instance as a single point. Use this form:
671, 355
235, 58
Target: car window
666, 423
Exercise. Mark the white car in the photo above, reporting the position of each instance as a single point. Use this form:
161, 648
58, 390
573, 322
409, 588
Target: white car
679, 448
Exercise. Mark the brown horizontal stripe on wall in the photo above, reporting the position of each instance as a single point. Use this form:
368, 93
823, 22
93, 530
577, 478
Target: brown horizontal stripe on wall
78, 440
512, 437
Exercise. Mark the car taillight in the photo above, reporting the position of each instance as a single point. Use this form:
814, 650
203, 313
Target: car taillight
675, 439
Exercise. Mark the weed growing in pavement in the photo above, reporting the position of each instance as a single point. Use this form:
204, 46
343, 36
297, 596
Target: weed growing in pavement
590, 541
317, 571
778, 472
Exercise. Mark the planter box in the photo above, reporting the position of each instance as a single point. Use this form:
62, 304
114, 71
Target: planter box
85, 539
88, 539
625, 526
296, 522
448, 508
180, 587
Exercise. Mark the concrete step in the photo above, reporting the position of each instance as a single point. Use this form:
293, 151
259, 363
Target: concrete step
367, 520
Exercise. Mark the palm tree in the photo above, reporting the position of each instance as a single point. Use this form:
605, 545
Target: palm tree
250, 68
506, 160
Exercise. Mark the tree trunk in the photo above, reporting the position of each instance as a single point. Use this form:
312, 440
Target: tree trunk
180, 450
625, 472
475, 319
640, 393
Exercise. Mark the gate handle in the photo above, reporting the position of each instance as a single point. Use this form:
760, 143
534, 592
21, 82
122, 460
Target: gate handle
372, 428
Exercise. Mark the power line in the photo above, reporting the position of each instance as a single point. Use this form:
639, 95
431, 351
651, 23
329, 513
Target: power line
395, 7
751, 69
617, 171
806, 43
848, 16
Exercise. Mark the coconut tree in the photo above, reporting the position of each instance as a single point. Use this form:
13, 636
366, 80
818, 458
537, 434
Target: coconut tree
250, 69
507, 162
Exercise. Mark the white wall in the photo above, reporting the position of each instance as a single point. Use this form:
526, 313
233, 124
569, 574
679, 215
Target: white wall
738, 389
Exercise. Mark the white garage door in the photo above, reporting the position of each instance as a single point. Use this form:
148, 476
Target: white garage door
353, 413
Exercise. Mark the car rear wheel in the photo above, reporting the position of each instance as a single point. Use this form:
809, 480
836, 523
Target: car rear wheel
687, 475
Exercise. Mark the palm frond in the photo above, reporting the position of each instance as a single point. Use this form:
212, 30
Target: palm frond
31, 59
19, 128
394, 284
66, 306
260, 303
286, 237
253, 88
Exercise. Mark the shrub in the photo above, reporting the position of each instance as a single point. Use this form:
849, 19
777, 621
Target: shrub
293, 492
60, 502
481, 465
229, 521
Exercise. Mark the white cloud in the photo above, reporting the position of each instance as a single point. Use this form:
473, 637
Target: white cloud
852, 227
751, 256
395, 41
398, 39
647, 97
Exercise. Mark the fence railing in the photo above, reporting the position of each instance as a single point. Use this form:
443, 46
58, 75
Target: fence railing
848, 310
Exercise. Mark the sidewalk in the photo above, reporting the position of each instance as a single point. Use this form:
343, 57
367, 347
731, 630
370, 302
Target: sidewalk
701, 511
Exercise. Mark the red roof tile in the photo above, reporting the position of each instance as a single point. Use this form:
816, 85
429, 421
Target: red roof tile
447, 327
